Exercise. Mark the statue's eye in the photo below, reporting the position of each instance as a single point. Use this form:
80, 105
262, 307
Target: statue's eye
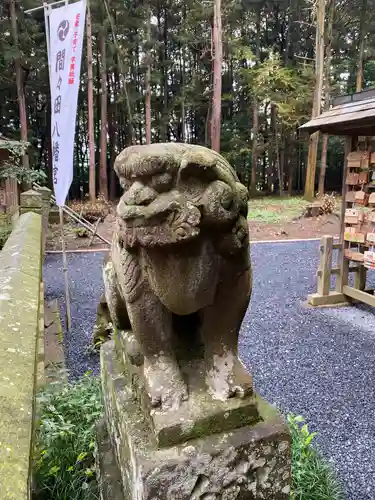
227, 203
161, 182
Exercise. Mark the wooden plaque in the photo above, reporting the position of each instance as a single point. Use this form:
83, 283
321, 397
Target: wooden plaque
351, 216
358, 159
350, 197
352, 179
361, 198
352, 234
369, 259
363, 178
353, 255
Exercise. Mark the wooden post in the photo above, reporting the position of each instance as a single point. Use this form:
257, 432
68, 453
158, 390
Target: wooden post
360, 278
324, 296
342, 278
94, 232
65, 271
324, 273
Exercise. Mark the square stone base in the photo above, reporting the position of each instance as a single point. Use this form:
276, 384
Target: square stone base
248, 463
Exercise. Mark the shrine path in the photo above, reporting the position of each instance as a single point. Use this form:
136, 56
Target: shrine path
317, 363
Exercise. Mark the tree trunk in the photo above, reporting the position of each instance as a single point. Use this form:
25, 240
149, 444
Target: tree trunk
113, 145
323, 160
319, 67
217, 83
97, 115
164, 125
361, 49
290, 158
273, 152
279, 162
183, 94
19, 80
148, 82
103, 115
90, 107
255, 127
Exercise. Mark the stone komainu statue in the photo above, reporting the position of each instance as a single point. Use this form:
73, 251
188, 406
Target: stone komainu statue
179, 267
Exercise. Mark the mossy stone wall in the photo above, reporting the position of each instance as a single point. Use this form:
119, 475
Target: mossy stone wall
20, 324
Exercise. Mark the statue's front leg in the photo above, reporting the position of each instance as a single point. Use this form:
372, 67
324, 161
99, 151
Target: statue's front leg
225, 375
115, 303
152, 326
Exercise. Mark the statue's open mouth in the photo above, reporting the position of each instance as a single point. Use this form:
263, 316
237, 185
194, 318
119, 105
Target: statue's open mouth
163, 222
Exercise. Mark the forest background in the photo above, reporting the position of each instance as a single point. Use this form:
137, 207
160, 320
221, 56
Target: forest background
240, 76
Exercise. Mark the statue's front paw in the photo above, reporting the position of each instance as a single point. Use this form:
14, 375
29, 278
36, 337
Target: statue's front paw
226, 377
165, 385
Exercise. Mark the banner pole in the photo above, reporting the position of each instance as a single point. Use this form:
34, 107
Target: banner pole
46, 23
65, 271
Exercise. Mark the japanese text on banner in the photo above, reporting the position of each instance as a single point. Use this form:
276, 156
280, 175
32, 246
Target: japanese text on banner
66, 31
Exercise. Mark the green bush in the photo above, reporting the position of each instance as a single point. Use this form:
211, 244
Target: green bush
64, 466
312, 476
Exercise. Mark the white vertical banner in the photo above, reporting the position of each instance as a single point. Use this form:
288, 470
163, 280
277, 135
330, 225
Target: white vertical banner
66, 31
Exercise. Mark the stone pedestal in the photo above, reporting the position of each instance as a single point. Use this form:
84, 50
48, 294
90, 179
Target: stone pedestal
31, 201
207, 450
46, 194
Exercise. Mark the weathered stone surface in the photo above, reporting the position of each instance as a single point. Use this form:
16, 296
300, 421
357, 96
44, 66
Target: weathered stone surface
108, 473
45, 192
200, 415
31, 201
103, 325
54, 366
54, 216
180, 253
20, 322
248, 463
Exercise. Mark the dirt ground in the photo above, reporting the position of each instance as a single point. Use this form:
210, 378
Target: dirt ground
269, 219
77, 238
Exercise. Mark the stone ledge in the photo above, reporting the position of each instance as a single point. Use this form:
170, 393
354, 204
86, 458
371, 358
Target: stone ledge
108, 473
20, 277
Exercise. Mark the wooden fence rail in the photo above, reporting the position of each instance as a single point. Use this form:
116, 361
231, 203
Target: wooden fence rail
324, 296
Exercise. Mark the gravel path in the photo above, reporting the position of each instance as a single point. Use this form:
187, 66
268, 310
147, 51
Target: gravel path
317, 363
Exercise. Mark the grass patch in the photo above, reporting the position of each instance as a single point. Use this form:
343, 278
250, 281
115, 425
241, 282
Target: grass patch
271, 210
312, 477
65, 468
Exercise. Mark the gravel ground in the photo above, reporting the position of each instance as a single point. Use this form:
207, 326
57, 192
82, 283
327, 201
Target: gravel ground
317, 363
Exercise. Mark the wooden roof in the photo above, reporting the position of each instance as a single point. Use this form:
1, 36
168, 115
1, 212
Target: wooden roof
352, 118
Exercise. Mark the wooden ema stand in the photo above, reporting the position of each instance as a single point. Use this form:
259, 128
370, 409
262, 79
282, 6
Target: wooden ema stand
357, 226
